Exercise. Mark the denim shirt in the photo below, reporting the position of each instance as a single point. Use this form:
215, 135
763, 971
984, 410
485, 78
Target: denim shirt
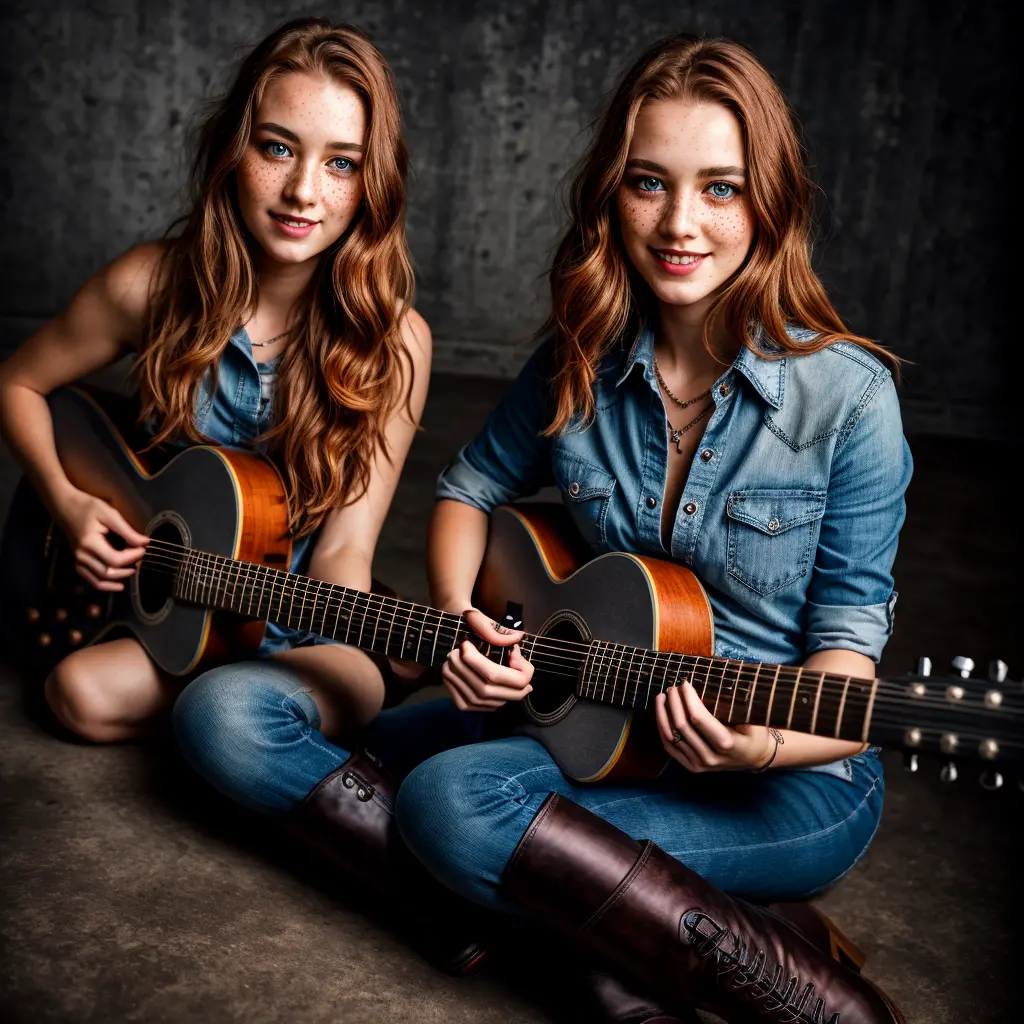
789, 516
229, 414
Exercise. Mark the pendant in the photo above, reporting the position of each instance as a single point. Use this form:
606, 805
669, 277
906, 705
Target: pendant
674, 437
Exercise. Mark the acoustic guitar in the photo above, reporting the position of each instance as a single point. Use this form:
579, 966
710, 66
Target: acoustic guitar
605, 634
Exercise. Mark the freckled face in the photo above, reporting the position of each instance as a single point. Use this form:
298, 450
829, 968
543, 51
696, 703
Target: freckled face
300, 180
683, 211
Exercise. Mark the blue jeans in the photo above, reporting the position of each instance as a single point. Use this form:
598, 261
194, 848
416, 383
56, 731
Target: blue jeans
253, 732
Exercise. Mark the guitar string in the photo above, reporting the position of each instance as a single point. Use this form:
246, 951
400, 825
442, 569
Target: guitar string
878, 718
381, 600
627, 684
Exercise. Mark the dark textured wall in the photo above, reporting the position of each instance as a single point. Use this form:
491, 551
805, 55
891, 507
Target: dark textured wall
906, 104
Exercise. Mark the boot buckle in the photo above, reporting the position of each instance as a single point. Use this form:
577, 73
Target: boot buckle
364, 791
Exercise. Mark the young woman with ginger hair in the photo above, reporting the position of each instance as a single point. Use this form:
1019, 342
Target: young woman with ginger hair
684, 279
279, 318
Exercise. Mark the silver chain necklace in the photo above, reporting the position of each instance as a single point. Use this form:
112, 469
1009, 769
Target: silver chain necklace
675, 434
270, 341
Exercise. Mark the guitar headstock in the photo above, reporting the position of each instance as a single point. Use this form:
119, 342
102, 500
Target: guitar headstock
961, 718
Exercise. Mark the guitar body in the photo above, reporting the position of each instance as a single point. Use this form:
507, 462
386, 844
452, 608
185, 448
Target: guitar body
605, 635
531, 568
217, 500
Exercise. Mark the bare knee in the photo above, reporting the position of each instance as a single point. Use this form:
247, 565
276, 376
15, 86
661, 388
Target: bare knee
78, 699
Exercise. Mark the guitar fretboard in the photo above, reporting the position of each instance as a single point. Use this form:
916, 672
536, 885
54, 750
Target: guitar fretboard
783, 696
736, 692
401, 629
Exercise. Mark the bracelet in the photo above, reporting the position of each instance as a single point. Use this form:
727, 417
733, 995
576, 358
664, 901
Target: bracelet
779, 741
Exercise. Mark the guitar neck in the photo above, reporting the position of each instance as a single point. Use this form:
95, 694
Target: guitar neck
735, 692
375, 622
782, 696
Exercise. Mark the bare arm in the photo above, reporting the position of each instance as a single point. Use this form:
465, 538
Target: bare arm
103, 323
696, 739
456, 542
345, 546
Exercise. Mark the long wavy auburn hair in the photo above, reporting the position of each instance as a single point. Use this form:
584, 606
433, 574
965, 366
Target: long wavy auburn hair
598, 299
347, 368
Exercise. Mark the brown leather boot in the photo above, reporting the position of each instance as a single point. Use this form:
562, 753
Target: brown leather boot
349, 819
613, 1001
637, 907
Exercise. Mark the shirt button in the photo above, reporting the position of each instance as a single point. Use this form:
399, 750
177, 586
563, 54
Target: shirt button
707, 455
574, 488
773, 524
690, 507
652, 502
723, 390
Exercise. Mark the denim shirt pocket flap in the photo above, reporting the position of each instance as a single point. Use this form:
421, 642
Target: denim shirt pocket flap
587, 491
776, 512
771, 537
580, 480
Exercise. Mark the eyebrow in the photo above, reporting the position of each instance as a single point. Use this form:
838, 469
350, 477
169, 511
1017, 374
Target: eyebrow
279, 129
704, 172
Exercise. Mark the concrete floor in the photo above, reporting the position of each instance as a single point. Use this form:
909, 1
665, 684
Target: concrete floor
132, 893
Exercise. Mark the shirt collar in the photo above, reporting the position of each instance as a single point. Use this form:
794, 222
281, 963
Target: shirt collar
767, 376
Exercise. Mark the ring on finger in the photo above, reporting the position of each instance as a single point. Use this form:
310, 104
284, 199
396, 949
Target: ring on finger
677, 737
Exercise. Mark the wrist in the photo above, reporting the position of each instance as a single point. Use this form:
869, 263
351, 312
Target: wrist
775, 740
57, 495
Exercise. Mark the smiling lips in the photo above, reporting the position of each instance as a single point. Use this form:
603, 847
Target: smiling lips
293, 227
678, 262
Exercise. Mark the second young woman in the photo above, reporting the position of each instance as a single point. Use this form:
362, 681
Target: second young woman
279, 318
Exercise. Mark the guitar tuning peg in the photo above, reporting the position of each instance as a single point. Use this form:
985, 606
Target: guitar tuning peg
924, 666
998, 670
949, 772
991, 780
909, 761
963, 666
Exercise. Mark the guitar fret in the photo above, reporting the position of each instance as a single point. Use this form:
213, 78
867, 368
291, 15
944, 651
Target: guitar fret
842, 705
625, 685
585, 670
605, 666
387, 639
771, 697
753, 693
314, 596
250, 589
870, 710
792, 700
405, 633
817, 701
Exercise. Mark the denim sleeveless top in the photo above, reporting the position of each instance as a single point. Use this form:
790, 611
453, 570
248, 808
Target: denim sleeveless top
791, 510
233, 414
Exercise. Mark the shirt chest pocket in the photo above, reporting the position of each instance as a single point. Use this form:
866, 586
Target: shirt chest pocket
587, 493
772, 536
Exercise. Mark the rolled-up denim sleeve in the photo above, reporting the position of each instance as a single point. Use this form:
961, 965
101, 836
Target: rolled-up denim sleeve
509, 458
851, 597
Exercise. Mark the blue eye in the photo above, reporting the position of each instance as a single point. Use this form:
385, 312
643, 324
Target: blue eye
342, 163
722, 190
650, 185
276, 149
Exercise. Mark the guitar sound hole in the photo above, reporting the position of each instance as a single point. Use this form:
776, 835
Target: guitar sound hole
156, 573
551, 690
